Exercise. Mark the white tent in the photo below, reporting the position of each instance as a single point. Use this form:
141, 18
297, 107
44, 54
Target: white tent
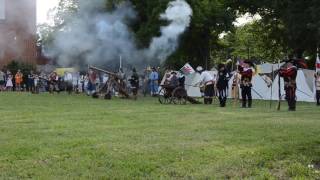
305, 89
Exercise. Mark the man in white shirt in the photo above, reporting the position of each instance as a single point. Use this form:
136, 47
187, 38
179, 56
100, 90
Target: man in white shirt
207, 81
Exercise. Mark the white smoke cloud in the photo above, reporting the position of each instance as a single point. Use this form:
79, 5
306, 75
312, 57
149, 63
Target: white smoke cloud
179, 15
18, 24
92, 37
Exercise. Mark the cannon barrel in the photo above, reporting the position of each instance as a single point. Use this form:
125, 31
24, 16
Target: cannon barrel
102, 70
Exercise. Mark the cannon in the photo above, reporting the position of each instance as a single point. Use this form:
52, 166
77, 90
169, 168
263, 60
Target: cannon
114, 82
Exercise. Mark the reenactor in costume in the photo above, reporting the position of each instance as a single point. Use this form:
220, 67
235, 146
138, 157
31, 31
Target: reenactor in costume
53, 82
317, 81
92, 78
207, 81
246, 73
289, 73
134, 81
222, 84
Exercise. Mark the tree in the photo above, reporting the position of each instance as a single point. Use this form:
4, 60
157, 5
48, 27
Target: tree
294, 24
251, 41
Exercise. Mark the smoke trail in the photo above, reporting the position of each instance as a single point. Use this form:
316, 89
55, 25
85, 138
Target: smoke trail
179, 15
92, 37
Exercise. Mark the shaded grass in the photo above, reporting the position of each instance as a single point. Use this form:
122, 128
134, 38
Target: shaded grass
76, 137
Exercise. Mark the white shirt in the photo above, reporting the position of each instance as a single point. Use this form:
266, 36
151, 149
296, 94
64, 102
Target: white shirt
68, 77
318, 83
206, 77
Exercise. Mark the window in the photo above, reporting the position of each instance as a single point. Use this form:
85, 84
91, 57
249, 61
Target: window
2, 10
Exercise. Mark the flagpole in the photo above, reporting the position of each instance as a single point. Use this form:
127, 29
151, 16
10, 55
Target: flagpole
271, 94
316, 69
120, 62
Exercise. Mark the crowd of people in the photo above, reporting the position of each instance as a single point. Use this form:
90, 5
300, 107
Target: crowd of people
87, 82
10, 81
150, 80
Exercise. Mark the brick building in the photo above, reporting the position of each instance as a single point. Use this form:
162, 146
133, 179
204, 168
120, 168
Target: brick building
18, 31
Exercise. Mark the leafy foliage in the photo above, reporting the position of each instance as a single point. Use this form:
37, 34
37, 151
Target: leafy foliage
251, 41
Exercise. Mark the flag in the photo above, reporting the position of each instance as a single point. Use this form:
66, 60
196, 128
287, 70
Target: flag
187, 69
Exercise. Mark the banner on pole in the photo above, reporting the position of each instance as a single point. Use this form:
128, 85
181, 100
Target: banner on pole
187, 69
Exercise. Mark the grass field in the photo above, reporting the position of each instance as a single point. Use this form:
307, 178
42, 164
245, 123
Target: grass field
76, 137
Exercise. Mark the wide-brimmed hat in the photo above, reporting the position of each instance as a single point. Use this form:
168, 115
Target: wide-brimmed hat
199, 68
221, 66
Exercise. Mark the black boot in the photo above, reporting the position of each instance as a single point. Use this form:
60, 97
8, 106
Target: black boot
210, 101
250, 103
244, 103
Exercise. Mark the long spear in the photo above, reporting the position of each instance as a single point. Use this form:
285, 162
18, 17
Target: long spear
271, 94
279, 84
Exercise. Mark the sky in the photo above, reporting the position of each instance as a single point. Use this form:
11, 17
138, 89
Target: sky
43, 7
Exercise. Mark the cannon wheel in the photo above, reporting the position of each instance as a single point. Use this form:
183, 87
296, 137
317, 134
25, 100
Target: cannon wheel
179, 96
163, 97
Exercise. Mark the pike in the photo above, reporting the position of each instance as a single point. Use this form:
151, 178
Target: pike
279, 84
104, 71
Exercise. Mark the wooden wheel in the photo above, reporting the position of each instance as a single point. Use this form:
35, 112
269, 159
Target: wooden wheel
163, 97
179, 96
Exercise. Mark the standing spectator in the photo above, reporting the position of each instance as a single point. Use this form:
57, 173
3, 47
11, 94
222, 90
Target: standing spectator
92, 82
9, 84
30, 83
68, 80
317, 76
18, 80
36, 84
2, 80
154, 78
146, 82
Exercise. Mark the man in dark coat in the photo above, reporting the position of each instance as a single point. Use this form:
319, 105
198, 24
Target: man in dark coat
222, 84
134, 81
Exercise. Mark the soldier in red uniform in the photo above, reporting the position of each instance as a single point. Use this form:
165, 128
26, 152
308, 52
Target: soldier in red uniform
246, 72
289, 73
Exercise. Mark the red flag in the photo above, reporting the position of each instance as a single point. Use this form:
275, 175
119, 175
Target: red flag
187, 69
318, 63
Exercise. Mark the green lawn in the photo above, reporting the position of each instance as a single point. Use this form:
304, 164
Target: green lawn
76, 137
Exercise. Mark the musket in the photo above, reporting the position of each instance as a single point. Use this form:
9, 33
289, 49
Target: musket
104, 71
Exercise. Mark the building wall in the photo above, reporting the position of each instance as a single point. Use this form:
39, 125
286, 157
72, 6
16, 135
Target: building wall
18, 31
